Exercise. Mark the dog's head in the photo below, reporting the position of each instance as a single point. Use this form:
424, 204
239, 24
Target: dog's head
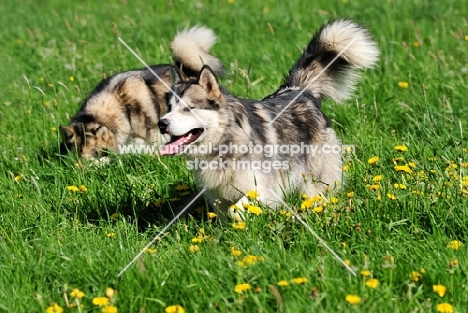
87, 137
193, 112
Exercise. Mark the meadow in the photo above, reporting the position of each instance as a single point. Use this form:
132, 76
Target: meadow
400, 222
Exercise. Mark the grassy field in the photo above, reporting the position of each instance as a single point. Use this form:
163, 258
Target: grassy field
400, 228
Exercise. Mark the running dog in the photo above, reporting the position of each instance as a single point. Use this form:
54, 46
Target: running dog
226, 137
126, 107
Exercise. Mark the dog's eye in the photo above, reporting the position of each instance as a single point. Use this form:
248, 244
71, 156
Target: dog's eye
95, 130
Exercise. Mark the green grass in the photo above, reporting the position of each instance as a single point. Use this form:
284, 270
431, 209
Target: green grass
53, 240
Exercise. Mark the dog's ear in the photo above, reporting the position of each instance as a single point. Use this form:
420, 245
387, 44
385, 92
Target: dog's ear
177, 76
67, 132
207, 80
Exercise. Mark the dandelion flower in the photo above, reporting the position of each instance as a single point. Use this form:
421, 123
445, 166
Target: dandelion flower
445, 308
54, 308
285, 213
241, 288
416, 44
350, 194
110, 235
194, 248
77, 294
377, 178
198, 239
252, 194
334, 200
72, 78
308, 203
174, 309
373, 160
403, 85
373, 187
182, 187
235, 252
366, 273
454, 244
440, 290
300, 280
250, 260
83, 188
283, 283
254, 209
372, 283
238, 225
353, 299
318, 209
345, 168
17, 178
403, 168
391, 196
150, 251
73, 188
211, 215
415, 276
401, 148
399, 186
101, 301
230, 1
109, 309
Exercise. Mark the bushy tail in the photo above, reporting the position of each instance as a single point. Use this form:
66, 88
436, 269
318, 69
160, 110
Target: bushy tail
191, 49
353, 48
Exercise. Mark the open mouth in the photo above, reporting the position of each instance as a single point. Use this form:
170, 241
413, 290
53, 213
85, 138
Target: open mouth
177, 143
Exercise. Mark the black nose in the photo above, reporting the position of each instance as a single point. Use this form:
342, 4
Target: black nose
163, 124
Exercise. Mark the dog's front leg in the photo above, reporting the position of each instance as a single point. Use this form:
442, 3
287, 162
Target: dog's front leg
237, 211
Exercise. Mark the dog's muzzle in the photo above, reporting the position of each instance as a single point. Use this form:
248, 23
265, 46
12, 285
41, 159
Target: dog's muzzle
163, 124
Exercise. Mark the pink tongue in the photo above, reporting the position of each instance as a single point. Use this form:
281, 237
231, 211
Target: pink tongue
172, 147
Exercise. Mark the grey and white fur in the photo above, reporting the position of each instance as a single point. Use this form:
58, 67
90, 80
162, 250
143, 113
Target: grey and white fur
203, 113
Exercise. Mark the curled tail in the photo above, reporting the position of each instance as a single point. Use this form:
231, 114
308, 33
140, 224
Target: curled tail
353, 48
191, 49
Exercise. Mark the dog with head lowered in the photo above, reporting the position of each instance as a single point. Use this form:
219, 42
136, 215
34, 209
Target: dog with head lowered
236, 145
125, 108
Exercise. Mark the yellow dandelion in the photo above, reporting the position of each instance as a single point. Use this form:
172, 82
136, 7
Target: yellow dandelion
101, 301
350, 194
110, 235
353, 299
401, 148
282, 283
399, 186
211, 215
83, 188
403, 168
346, 168
198, 239
334, 200
403, 85
238, 225
300, 280
254, 209
412, 164
159, 202
373, 160
53, 129
308, 203
252, 194
454, 244
77, 294
366, 273
72, 78
174, 309
110, 292
372, 283
453, 263
240, 288
318, 209
377, 178
466, 37
235, 252
285, 213
398, 159
194, 248
109, 309
150, 250
445, 308
114, 215
347, 262
391, 196
416, 44
415, 276
73, 188
54, 308
373, 187
250, 260
440, 290
17, 178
